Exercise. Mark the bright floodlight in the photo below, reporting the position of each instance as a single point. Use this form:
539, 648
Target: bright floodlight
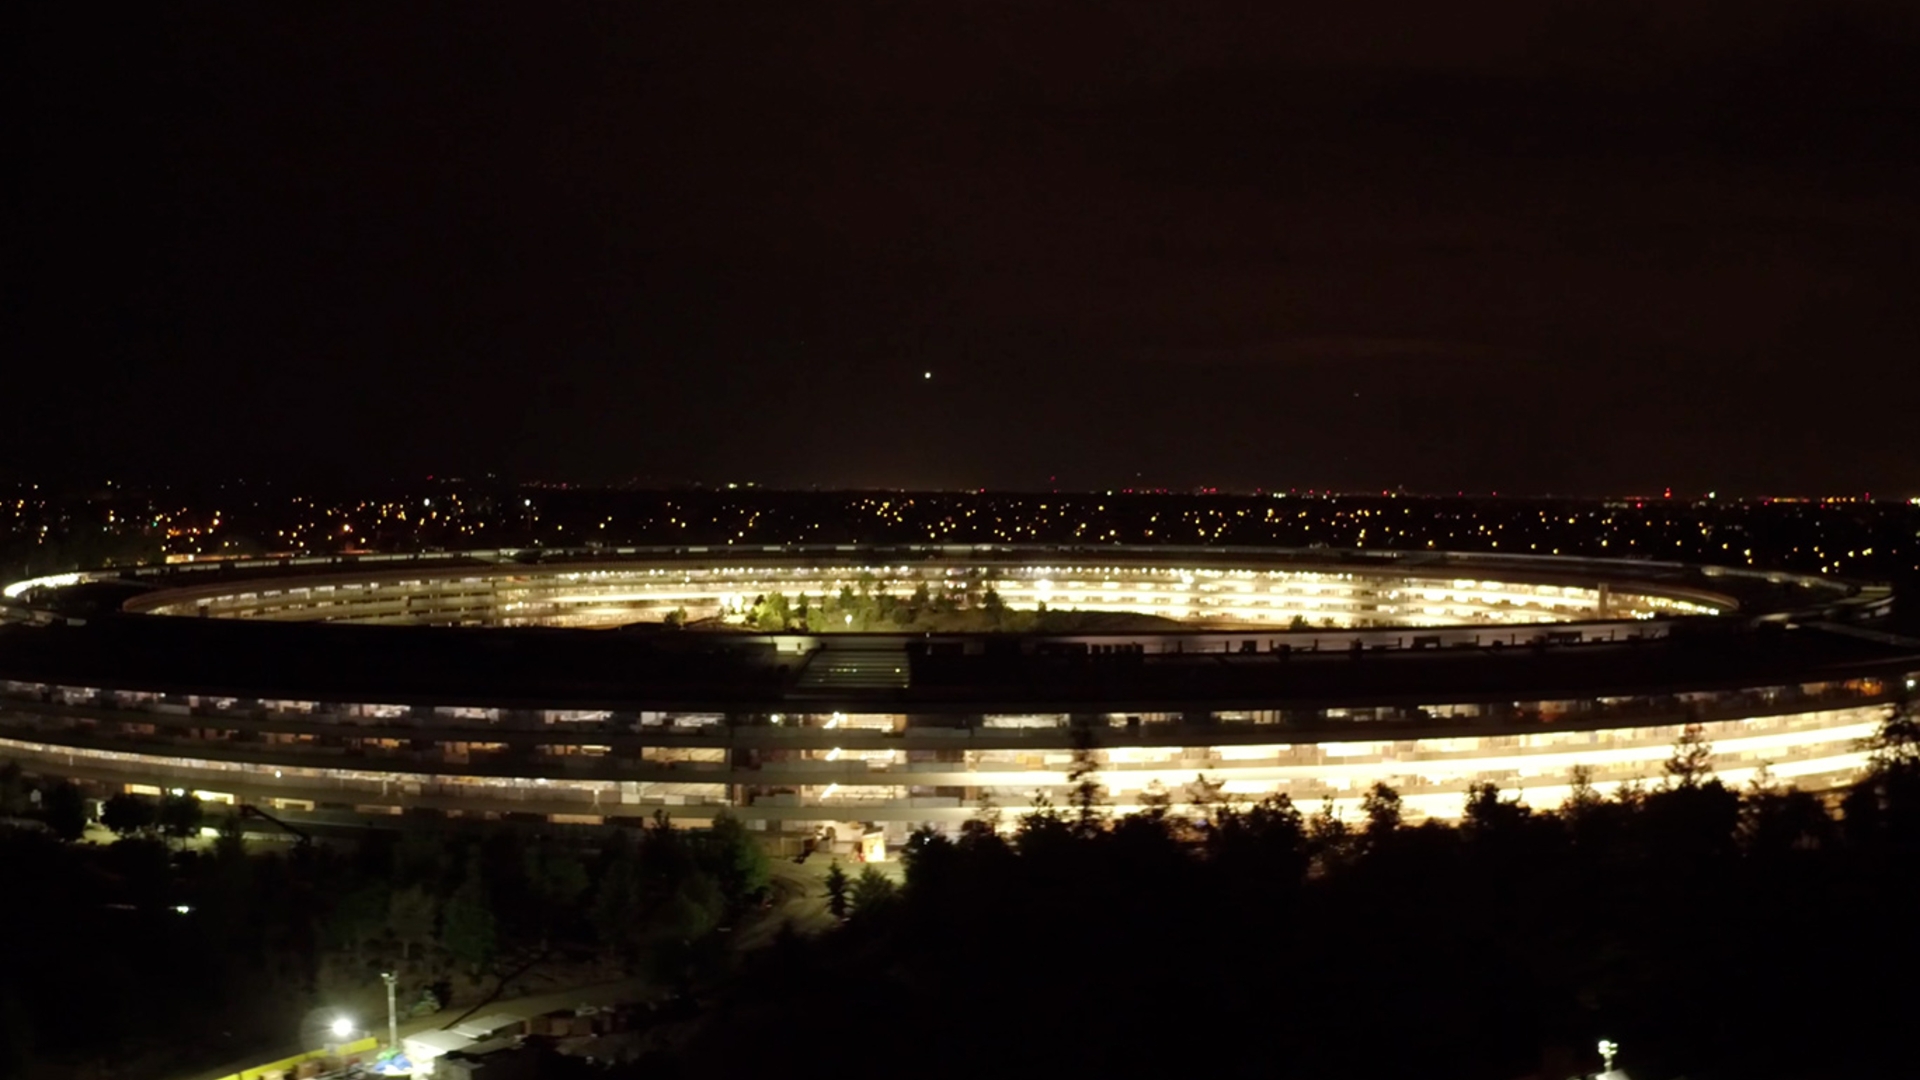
341, 1027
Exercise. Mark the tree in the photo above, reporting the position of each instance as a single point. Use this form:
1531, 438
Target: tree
1085, 778
556, 879
1489, 815
738, 861
1042, 831
421, 858
1581, 797
231, 844
929, 858
1692, 760
1382, 806
873, 891
1206, 795
616, 899
66, 811
995, 607
675, 618
1774, 821
180, 816
468, 927
412, 914
837, 886
1299, 622
1896, 745
1329, 840
13, 789
1266, 842
694, 907
1155, 801
980, 834
128, 815
361, 914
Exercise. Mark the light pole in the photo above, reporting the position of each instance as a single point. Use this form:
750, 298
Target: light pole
393, 1019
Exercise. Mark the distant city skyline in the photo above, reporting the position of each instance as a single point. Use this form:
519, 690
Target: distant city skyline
50, 531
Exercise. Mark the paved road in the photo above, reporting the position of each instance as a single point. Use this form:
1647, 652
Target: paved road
607, 993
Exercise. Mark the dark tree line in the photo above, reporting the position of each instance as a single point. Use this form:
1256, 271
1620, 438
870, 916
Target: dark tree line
1708, 931
172, 956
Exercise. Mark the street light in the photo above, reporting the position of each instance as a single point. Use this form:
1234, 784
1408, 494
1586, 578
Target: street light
1608, 1048
393, 1021
342, 1027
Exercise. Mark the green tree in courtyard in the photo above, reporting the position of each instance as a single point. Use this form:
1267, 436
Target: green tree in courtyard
412, 914
128, 815
180, 816
468, 928
65, 810
616, 898
692, 909
995, 608
738, 861
231, 843
837, 890
557, 879
361, 915
872, 891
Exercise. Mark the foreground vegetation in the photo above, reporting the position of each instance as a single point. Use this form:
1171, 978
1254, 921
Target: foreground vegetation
1708, 931
149, 952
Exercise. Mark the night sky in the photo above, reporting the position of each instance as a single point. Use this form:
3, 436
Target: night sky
1526, 246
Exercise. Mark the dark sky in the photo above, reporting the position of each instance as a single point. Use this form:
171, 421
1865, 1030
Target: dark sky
1527, 245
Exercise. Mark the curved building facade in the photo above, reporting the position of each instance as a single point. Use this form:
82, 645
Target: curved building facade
499, 684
